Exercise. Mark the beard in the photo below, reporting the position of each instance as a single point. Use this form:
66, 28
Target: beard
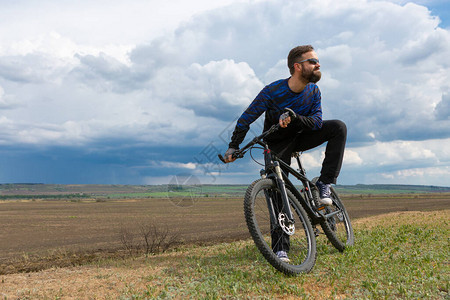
312, 76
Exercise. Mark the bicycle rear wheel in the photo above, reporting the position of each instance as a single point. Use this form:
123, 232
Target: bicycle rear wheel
338, 227
269, 237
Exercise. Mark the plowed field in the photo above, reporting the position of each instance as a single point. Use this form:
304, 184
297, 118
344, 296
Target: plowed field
39, 234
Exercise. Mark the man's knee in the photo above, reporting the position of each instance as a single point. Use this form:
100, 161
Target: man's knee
338, 127
341, 127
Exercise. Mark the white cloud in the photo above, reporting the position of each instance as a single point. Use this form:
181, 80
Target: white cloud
337, 57
352, 157
422, 173
369, 71
423, 162
276, 72
442, 109
310, 160
420, 162
219, 89
4, 102
368, 78
178, 165
99, 22
393, 153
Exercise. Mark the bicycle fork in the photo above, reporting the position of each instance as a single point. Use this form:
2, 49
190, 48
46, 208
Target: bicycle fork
285, 218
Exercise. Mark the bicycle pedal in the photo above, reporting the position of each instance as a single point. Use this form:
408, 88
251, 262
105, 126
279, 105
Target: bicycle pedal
321, 207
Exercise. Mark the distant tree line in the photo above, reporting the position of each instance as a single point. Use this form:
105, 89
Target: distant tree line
60, 196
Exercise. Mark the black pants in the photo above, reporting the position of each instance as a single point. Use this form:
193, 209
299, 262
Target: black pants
334, 132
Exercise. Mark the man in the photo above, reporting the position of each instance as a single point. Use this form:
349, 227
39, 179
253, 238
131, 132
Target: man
301, 94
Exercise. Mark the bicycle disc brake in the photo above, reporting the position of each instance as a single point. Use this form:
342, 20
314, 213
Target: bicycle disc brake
287, 226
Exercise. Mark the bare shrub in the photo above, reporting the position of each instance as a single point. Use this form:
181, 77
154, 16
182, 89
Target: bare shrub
148, 238
156, 239
126, 237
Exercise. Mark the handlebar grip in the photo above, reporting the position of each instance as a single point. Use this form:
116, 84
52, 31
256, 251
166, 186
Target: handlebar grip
221, 158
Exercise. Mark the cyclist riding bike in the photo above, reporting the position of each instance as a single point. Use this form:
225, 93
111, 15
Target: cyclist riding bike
301, 129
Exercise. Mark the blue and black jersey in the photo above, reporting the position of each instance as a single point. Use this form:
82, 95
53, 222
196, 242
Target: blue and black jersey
271, 101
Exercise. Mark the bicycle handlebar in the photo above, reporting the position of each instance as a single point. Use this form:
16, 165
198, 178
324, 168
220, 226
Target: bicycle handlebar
240, 152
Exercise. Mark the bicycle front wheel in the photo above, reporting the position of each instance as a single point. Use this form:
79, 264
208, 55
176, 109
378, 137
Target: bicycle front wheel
269, 237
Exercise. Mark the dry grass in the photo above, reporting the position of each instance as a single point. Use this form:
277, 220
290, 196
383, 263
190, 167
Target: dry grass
395, 218
79, 282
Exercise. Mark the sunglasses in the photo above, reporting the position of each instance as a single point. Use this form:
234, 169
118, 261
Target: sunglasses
313, 61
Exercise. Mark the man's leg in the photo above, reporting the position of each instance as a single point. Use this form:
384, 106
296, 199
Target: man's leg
335, 133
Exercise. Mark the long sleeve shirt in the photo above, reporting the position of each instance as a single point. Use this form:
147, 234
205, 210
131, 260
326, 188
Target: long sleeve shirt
272, 100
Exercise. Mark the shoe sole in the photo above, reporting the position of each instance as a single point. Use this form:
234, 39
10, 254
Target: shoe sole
326, 201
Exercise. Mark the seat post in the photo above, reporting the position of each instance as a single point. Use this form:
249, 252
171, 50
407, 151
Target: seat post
300, 166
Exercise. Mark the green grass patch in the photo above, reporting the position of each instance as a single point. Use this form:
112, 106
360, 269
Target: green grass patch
397, 256
380, 189
83, 192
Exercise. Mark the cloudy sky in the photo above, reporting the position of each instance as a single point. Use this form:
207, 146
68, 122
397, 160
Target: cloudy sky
136, 92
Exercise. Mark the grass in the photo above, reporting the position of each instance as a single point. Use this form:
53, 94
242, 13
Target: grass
399, 256
396, 256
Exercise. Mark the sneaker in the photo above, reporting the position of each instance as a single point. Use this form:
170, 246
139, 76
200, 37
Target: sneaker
282, 255
325, 193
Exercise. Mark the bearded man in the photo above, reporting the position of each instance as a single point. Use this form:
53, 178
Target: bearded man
305, 131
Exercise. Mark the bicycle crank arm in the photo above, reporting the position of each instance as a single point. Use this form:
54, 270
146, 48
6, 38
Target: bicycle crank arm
327, 216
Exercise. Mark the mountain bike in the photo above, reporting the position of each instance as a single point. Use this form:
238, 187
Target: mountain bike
280, 216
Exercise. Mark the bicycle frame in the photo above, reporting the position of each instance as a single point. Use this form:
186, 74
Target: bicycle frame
273, 170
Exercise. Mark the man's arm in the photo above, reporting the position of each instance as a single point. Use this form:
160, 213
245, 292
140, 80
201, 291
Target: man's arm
313, 120
250, 115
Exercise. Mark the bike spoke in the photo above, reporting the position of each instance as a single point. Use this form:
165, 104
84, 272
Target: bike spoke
296, 245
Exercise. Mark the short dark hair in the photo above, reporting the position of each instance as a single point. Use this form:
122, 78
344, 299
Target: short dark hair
295, 55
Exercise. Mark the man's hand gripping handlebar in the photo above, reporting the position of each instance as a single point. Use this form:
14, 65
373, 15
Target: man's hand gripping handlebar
231, 155
287, 117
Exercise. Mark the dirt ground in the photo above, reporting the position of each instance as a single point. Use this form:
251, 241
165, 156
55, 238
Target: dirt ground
36, 235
